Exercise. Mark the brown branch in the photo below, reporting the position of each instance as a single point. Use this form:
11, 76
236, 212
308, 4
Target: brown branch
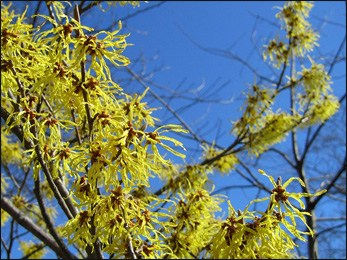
17, 130
13, 101
47, 103
51, 13
330, 229
28, 224
97, 246
332, 219
83, 75
142, 11
313, 204
92, 4
129, 16
25, 178
130, 244
20, 85
51, 183
48, 221
8, 252
76, 129
285, 156
9, 173
256, 182
66, 203
233, 187
36, 12
336, 55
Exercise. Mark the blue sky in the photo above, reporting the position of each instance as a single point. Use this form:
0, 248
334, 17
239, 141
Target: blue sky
224, 25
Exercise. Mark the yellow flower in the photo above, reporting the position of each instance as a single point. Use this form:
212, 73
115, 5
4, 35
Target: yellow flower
280, 197
36, 251
4, 216
224, 164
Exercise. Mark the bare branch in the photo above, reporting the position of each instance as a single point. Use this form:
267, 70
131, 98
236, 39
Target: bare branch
138, 78
284, 155
48, 221
28, 224
330, 185
330, 229
337, 55
227, 54
5, 246
232, 187
17, 130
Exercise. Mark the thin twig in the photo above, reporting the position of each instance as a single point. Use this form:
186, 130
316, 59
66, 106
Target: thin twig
4, 245
330, 185
48, 221
130, 244
36, 12
9, 173
19, 83
38, 248
138, 78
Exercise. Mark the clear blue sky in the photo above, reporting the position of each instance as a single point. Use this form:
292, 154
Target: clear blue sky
221, 25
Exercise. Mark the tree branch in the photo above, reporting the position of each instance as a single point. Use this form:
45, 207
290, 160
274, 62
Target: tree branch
48, 221
17, 130
28, 224
330, 185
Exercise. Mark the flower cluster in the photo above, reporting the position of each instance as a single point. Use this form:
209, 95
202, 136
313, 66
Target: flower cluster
302, 38
259, 127
115, 143
256, 234
193, 221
